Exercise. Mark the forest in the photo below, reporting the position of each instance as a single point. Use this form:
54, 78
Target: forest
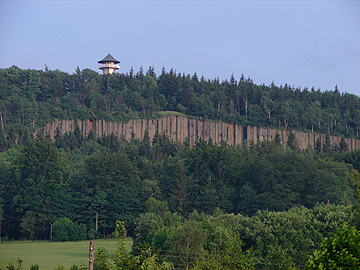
192, 207
31, 99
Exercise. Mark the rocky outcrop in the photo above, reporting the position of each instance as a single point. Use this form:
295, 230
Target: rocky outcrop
304, 139
179, 128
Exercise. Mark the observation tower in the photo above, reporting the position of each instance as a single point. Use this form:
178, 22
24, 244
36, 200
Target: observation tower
109, 64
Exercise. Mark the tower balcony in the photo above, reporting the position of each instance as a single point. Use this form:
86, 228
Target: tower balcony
109, 65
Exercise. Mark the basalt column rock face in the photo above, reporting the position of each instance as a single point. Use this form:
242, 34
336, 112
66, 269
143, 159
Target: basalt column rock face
303, 139
175, 127
179, 128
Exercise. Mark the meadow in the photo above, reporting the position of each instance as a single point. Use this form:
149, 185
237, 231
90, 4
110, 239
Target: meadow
48, 255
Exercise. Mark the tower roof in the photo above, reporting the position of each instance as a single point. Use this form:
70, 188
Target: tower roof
109, 58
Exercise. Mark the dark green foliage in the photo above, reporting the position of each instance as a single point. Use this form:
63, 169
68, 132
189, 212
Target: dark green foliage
36, 179
113, 179
174, 183
318, 145
292, 142
19, 262
34, 267
343, 147
3, 142
109, 187
265, 176
352, 158
212, 169
355, 177
327, 144
1, 213
277, 139
66, 230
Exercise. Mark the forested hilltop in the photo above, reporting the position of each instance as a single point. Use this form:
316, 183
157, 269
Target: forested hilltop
31, 99
194, 207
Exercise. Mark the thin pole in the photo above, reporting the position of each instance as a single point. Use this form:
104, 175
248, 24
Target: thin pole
51, 232
96, 221
2, 123
91, 255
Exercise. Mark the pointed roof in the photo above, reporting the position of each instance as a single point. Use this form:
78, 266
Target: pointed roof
109, 58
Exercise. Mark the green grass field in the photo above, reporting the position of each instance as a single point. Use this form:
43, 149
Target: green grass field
48, 255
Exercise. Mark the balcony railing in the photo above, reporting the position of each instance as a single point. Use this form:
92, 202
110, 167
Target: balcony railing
107, 65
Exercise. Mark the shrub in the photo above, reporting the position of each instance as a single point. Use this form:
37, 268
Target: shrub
66, 230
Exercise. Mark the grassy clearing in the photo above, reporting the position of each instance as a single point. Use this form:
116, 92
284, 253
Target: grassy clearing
48, 255
168, 113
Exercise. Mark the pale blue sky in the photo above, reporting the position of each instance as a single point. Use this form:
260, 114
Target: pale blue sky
302, 43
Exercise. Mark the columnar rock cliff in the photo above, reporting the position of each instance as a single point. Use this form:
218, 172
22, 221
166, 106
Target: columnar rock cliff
179, 128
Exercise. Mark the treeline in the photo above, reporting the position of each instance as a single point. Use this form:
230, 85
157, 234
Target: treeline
289, 240
273, 240
31, 98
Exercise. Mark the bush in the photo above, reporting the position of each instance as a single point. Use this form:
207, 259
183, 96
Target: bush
66, 230
34, 267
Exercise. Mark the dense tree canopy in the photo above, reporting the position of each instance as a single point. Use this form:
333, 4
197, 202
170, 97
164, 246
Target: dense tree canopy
33, 187
107, 179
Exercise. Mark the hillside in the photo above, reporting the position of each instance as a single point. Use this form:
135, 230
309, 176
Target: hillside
31, 99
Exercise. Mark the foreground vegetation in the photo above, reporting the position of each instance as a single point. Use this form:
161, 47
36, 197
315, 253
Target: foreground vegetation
282, 241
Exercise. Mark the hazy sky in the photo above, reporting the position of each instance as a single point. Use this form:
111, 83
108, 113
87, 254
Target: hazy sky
302, 43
